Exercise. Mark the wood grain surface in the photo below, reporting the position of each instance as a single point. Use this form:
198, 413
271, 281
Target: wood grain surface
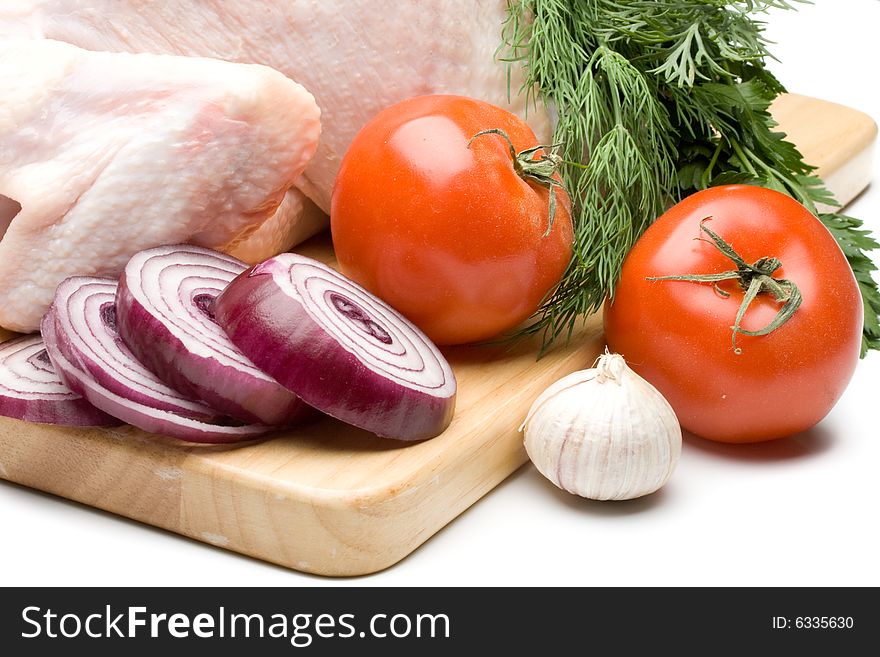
334, 500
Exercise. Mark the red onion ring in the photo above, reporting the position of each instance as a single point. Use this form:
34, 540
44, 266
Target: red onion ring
85, 313
164, 315
339, 348
31, 390
81, 340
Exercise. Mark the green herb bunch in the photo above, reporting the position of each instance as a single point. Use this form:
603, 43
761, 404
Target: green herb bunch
658, 99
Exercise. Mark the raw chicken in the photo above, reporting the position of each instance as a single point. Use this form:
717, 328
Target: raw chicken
355, 56
105, 154
296, 219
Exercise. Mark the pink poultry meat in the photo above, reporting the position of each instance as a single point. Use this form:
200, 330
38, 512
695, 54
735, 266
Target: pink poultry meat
355, 56
104, 154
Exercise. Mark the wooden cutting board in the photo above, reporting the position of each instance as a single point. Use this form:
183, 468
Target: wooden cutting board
334, 500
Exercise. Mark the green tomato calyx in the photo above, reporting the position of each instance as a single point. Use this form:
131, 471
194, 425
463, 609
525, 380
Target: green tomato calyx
754, 279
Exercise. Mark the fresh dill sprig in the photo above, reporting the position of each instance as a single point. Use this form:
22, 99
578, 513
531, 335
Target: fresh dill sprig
659, 98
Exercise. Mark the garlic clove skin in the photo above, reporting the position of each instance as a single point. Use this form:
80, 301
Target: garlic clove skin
604, 433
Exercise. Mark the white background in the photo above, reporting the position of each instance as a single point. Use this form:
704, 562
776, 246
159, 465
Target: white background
803, 511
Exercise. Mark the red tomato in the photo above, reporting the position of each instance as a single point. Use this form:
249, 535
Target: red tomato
448, 233
677, 334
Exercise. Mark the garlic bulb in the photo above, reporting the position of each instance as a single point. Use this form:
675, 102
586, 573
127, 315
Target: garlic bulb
603, 433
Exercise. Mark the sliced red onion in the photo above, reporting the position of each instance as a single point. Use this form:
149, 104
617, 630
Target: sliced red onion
30, 388
81, 340
164, 314
85, 311
339, 348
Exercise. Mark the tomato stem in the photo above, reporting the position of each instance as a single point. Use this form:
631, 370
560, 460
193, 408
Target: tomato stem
754, 279
542, 170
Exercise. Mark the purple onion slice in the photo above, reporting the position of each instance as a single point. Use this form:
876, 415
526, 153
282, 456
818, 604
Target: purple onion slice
339, 348
164, 311
31, 390
85, 312
82, 343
